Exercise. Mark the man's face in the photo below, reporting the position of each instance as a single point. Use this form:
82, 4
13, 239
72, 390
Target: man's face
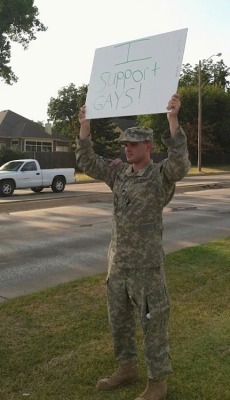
137, 152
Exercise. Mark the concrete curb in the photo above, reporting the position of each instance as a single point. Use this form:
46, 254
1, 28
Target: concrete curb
202, 186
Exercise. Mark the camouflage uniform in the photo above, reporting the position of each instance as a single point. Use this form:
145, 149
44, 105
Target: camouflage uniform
136, 257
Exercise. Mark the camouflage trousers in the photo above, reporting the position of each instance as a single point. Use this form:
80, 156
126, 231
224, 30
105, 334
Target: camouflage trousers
143, 292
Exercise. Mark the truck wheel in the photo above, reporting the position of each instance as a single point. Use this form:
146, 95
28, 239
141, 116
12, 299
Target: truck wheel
37, 189
58, 184
7, 188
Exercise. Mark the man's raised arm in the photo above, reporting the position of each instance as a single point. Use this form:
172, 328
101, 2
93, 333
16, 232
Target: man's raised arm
84, 123
177, 164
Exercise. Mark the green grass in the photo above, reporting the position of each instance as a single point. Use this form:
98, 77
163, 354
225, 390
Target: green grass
209, 170
82, 178
56, 344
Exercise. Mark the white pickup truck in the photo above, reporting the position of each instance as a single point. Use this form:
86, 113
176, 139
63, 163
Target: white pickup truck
26, 173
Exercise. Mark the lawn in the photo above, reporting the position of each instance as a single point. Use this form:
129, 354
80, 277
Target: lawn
209, 170
56, 344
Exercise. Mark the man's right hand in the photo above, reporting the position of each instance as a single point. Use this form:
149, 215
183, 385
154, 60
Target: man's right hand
84, 123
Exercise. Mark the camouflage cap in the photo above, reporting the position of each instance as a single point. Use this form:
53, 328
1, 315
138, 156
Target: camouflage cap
137, 134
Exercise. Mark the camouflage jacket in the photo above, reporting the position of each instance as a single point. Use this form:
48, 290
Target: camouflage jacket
139, 199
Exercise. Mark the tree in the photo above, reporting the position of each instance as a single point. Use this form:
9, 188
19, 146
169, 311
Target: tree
211, 74
18, 23
158, 123
10, 154
215, 109
188, 76
221, 74
215, 116
215, 106
63, 111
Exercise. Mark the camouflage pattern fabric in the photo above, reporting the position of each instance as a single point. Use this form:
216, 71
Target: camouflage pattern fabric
139, 199
136, 256
138, 134
143, 290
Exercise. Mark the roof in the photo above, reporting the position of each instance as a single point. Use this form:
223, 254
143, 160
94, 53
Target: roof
15, 126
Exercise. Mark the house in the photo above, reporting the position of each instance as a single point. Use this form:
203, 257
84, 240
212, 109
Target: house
19, 132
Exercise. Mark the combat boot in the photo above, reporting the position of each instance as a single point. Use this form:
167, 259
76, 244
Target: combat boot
124, 374
155, 390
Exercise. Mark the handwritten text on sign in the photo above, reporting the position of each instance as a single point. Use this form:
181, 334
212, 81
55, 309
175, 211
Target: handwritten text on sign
136, 77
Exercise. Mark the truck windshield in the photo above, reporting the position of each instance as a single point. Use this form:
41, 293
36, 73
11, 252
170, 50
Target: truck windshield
11, 166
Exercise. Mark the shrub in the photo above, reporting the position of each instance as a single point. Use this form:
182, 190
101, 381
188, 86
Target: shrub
9, 154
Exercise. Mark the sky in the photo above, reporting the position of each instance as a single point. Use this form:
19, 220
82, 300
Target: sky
64, 53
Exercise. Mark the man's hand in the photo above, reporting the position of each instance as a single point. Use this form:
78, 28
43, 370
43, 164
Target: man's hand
84, 123
173, 107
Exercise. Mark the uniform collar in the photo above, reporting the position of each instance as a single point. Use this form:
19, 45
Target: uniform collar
141, 171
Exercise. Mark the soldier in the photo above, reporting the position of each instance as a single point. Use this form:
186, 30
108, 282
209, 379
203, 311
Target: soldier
136, 276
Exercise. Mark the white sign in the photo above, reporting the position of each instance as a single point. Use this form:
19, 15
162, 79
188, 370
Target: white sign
135, 77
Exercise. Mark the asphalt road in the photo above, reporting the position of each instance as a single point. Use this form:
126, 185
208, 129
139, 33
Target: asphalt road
46, 244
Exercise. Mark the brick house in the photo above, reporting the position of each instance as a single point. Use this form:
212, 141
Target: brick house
19, 132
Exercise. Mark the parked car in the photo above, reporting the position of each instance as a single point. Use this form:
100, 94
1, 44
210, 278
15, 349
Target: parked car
27, 173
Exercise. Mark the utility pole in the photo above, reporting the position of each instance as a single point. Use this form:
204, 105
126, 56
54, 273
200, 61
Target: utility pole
199, 117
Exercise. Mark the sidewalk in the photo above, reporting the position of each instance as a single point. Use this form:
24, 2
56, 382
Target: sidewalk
198, 182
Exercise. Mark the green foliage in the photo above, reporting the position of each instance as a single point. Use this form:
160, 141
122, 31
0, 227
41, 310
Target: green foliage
215, 106
63, 111
189, 76
215, 109
104, 137
159, 124
220, 74
9, 154
18, 23
216, 115
211, 74
215, 118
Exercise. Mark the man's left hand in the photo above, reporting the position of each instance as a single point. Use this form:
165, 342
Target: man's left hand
173, 105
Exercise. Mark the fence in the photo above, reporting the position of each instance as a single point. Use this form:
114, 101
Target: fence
57, 159
67, 159
210, 160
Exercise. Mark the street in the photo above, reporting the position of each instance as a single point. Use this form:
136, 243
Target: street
49, 245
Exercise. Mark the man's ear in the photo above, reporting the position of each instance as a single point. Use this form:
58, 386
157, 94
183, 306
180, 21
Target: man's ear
149, 146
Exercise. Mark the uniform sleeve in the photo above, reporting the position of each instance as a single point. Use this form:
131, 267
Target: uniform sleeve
92, 164
177, 164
